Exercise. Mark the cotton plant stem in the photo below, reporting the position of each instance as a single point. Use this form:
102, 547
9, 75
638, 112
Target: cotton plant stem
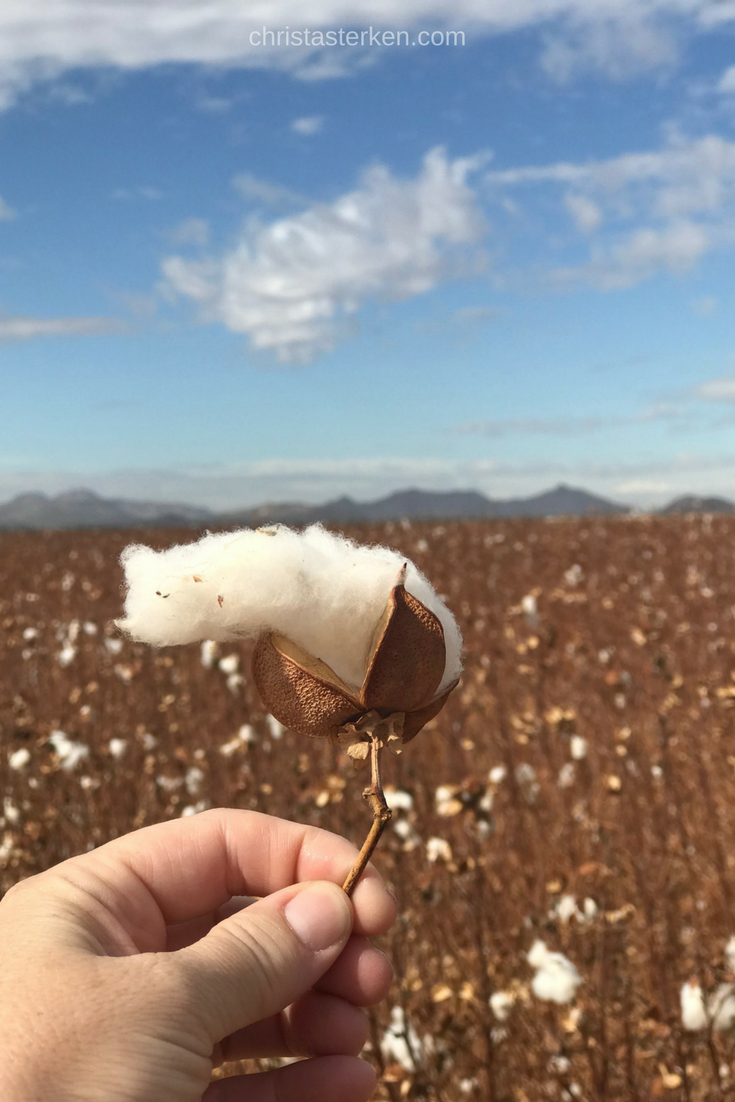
381, 817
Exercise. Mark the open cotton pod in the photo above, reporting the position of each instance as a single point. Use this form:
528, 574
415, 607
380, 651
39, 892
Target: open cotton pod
404, 668
352, 642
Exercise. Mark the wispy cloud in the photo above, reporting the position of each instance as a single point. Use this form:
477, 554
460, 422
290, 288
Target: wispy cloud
726, 83
25, 329
571, 424
192, 231
6, 212
715, 390
535, 426
641, 213
291, 286
266, 192
42, 42
308, 125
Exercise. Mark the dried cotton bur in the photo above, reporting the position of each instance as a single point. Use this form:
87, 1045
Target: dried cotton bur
352, 643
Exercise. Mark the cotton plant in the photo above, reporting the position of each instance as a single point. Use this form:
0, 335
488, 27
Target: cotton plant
352, 643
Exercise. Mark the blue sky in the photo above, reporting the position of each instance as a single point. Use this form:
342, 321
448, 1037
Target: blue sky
232, 273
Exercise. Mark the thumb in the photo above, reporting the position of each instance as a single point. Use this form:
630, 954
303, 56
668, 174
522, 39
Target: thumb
258, 961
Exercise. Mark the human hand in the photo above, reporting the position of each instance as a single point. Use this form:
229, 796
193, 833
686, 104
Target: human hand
130, 971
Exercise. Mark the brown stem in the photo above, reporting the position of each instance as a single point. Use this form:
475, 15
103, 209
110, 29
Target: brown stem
381, 816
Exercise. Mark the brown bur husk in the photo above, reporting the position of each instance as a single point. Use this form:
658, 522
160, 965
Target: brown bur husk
397, 698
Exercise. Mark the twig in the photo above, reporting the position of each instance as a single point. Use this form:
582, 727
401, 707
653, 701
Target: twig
381, 816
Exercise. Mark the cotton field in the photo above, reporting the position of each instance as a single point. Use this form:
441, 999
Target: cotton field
561, 842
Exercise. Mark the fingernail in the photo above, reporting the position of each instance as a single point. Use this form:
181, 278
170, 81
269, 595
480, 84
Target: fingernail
319, 915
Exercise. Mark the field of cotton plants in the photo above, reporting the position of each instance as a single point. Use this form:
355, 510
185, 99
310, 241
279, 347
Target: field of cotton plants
561, 843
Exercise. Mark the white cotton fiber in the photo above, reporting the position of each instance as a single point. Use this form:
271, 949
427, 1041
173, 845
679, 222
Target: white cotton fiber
323, 591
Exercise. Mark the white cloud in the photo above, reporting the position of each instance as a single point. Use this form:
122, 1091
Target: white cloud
586, 214
308, 125
291, 285
255, 189
705, 305
675, 249
643, 212
715, 390
192, 231
24, 329
39, 42
726, 82
6, 212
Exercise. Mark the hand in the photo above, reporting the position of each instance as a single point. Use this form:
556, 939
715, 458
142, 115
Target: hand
129, 972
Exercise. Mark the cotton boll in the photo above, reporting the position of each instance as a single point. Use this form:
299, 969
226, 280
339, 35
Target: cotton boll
398, 799
566, 775
11, 813
589, 909
693, 1012
722, 1008
730, 953
566, 908
578, 747
497, 774
438, 849
66, 655
117, 747
230, 663
19, 759
194, 780
501, 1004
209, 651
323, 591
538, 954
557, 981
400, 1041
275, 727
70, 753
530, 610
556, 978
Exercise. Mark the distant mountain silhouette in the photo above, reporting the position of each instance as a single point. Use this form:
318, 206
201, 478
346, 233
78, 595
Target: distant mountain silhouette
692, 504
84, 509
431, 505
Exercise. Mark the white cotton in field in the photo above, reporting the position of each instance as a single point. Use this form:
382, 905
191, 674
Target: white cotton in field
398, 799
730, 953
721, 1006
566, 908
70, 753
438, 849
229, 664
209, 652
578, 747
556, 978
501, 1004
117, 747
693, 1012
400, 1041
276, 729
19, 759
323, 591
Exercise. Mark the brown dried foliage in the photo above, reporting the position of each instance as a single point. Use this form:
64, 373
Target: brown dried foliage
635, 652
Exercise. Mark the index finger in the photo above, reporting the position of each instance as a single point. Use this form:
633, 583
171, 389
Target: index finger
188, 867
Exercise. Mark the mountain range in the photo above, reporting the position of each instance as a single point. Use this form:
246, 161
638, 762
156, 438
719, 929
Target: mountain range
85, 509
